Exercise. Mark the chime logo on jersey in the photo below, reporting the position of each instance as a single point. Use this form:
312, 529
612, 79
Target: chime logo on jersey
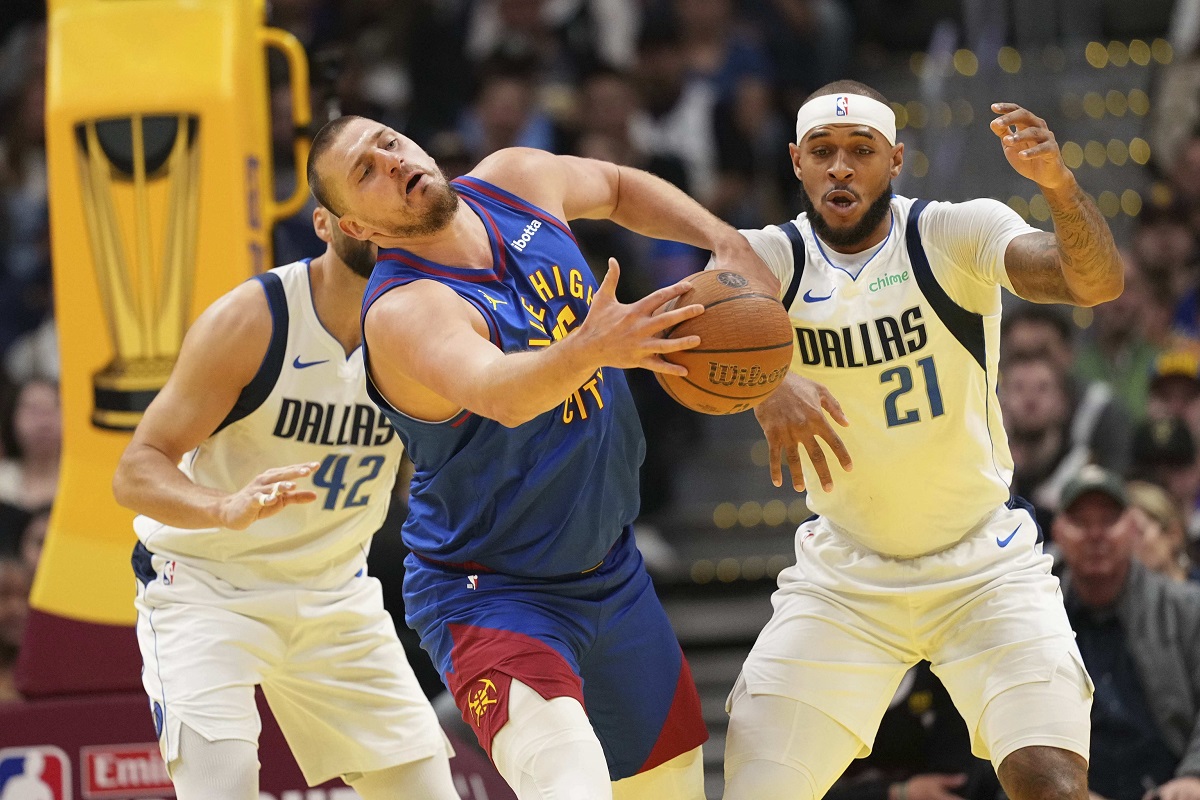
41, 772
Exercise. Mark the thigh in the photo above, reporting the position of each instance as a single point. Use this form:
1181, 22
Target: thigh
838, 638
637, 685
1006, 628
346, 698
778, 748
203, 652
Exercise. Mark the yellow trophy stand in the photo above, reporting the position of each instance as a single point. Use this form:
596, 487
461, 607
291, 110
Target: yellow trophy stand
161, 200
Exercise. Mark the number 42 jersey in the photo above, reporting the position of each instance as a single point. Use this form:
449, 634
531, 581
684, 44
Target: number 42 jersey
308, 402
906, 335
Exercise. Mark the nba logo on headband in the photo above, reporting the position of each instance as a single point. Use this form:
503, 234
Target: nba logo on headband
842, 105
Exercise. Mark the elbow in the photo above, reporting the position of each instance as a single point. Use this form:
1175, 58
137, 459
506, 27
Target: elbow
1105, 291
120, 486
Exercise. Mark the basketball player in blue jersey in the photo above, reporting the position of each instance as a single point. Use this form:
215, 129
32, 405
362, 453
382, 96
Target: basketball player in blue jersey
920, 552
252, 551
498, 359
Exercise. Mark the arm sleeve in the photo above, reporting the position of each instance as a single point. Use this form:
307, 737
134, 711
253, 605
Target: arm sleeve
774, 248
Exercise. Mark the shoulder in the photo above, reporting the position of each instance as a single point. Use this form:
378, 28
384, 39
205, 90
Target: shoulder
522, 171
241, 315
980, 211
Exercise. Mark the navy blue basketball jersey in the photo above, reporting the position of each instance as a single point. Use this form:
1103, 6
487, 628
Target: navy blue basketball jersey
548, 497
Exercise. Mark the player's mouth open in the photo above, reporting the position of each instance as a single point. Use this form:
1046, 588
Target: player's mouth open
413, 181
841, 200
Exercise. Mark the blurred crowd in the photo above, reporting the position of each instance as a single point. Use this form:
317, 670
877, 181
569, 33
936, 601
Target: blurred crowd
703, 93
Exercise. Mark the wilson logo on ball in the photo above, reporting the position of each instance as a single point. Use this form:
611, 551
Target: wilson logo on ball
733, 375
746, 343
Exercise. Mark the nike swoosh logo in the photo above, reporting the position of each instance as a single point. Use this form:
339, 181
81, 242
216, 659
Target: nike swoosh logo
1004, 542
809, 298
298, 364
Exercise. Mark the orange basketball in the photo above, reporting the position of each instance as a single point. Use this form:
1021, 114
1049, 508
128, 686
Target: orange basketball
745, 345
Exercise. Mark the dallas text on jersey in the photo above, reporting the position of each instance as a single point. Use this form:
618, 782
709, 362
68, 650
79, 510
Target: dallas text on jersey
865, 345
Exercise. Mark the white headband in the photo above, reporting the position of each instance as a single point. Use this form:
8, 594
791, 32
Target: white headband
839, 109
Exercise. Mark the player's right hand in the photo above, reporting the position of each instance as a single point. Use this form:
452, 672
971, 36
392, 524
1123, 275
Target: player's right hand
795, 415
628, 336
266, 495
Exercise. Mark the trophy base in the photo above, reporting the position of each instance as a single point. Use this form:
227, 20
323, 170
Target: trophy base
123, 390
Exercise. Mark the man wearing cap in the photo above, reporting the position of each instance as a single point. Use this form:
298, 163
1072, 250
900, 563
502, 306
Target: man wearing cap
920, 552
1139, 634
1174, 389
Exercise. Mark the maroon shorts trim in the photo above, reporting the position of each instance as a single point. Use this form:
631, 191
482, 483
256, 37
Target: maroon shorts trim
485, 662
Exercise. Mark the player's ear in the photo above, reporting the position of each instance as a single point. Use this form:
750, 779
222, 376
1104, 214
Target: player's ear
794, 152
897, 160
354, 229
322, 226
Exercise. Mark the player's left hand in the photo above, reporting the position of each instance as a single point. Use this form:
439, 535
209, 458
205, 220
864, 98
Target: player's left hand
795, 415
1185, 788
1030, 147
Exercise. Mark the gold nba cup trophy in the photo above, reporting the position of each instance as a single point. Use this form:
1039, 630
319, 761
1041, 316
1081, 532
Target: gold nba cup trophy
130, 168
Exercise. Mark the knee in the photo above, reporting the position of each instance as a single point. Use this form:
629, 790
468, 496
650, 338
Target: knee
1044, 773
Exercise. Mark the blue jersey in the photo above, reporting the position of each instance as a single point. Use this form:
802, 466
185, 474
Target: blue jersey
551, 496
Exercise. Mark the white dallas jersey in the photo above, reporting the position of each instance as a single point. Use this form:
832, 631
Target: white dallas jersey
907, 338
308, 402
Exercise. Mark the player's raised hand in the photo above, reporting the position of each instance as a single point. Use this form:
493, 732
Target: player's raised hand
266, 495
796, 415
627, 336
1030, 146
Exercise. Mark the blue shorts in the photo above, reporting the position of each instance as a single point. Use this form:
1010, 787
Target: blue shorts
601, 637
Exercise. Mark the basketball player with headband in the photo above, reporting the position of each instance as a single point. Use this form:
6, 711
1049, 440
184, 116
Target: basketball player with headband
921, 551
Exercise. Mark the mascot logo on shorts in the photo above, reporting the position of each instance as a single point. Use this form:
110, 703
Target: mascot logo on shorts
482, 699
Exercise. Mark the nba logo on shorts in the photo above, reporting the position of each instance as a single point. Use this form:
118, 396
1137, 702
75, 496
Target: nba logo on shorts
841, 106
34, 773
168, 573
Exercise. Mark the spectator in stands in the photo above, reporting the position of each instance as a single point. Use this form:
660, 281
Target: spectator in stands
811, 43
719, 48
1036, 407
32, 431
24, 209
506, 112
33, 536
1161, 538
15, 581
1119, 347
921, 752
1164, 453
1139, 635
675, 116
1165, 247
1099, 428
1174, 389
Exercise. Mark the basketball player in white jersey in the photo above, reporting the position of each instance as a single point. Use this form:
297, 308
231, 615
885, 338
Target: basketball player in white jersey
919, 552
253, 572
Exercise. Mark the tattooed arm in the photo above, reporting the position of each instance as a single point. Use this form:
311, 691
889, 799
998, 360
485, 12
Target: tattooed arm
1078, 263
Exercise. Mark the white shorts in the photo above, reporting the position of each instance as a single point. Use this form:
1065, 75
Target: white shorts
986, 613
329, 662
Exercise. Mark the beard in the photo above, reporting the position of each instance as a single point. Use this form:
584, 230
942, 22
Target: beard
856, 233
443, 206
358, 255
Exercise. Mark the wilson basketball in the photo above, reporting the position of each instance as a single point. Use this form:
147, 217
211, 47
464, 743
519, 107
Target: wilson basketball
745, 345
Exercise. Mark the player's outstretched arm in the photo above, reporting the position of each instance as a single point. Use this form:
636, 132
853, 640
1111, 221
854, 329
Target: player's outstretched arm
220, 356
431, 354
797, 415
1079, 262
632, 198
